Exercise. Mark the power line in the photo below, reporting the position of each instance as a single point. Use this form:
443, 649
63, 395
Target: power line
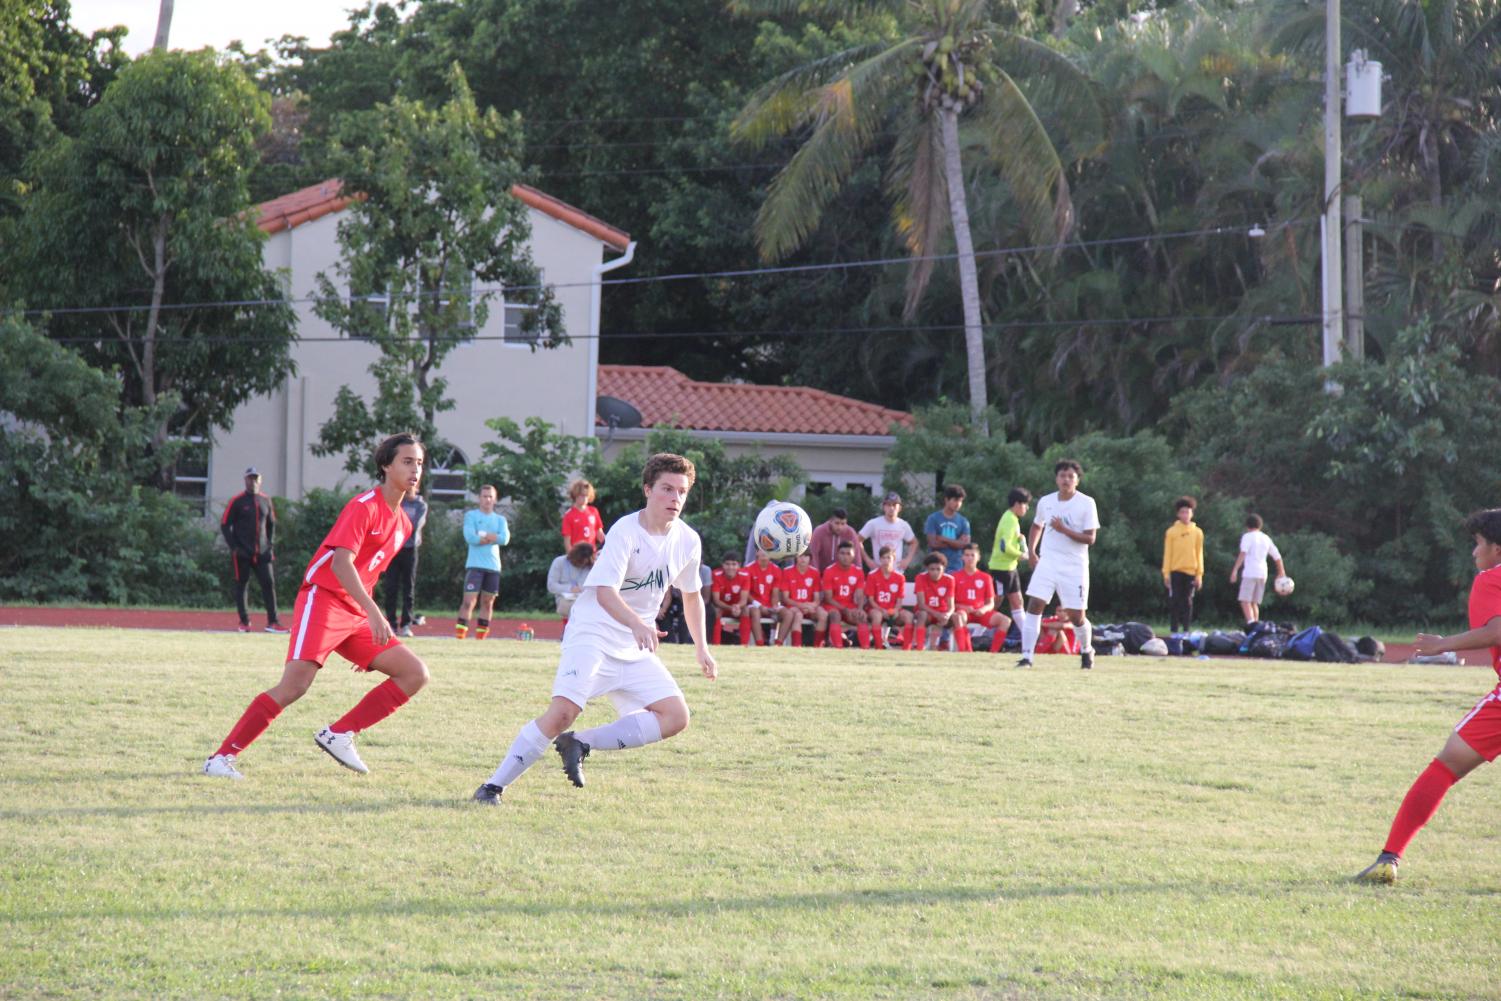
1290, 319
671, 277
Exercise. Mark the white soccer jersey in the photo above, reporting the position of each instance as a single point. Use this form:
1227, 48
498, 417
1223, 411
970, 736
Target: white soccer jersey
1257, 546
1079, 514
641, 567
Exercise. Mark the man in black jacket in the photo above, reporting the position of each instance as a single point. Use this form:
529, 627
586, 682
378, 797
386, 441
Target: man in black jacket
249, 526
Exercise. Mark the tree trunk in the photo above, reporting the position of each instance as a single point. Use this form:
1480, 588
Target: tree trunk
163, 25
969, 282
1435, 180
148, 345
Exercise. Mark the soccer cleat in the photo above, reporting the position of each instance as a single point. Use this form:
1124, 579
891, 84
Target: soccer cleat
481, 632
1024, 662
489, 794
1383, 870
244, 627
419, 620
406, 631
277, 627
222, 766
340, 747
459, 632
1086, 660
573, 752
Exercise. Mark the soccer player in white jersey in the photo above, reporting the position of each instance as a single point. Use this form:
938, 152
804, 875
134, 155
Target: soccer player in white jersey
609, 646
1065, 524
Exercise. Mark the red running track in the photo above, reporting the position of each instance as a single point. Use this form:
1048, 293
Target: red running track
220, 622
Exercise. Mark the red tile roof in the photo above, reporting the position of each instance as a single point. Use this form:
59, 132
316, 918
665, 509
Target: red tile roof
321, 199
666, 396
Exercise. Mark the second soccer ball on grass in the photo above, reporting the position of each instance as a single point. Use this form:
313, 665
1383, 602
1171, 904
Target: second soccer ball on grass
783, 530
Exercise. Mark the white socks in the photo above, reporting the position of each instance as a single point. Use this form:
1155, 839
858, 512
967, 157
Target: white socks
1086, 636
1031, 627
635, 729
529, 745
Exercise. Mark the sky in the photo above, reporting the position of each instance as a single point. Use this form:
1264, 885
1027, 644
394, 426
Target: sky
196, 23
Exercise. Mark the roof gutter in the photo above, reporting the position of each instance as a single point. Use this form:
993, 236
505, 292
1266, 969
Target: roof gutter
783, 439
595, 296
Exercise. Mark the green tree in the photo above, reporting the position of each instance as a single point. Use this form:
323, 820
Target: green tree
935, 66
138, 238
75, 525
434, 238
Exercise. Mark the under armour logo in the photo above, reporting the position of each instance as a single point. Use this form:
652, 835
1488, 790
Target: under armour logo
620, 742
572, 673
519, 758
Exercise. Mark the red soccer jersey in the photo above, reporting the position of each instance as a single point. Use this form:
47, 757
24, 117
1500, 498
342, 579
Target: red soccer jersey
372, 531
1485, 605
799, 585
974, 590
840, 585
582, 525
885, 591
729, 589
764, 581
935, 595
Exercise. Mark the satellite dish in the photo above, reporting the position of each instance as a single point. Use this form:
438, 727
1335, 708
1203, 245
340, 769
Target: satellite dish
617, 413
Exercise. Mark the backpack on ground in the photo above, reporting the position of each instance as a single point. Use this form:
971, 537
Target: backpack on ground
1300, 647
1154, 647
1370, 648
1331, 648
1137, 633
1269, 643
1223, 644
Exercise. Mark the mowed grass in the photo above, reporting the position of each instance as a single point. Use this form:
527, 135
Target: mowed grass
833, 824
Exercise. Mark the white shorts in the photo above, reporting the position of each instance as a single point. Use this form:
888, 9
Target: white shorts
584, 672
1071, 584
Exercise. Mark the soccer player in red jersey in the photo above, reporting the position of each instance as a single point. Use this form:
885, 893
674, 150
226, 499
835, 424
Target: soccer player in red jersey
766, 587
885, 587
334, 613
730, 591
974, 600
1476, 739
844, 596
935, 603
581, 522
803, 598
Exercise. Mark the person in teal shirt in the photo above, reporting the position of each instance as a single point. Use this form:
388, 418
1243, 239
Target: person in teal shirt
1010, 547
486, 530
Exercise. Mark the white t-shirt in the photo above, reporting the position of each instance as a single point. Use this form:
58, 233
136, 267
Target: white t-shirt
881, 532
1257, 546
641, 567
1079, 514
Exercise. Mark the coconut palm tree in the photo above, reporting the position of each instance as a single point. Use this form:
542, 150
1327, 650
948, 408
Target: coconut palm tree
163, 25
943, 62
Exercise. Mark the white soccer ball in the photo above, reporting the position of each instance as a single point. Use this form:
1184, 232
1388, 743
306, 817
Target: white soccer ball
783, 531
1283, 586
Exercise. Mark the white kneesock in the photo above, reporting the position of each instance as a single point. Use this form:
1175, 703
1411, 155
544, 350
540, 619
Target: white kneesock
530, 744
1086, 636
1031, 628
635, 729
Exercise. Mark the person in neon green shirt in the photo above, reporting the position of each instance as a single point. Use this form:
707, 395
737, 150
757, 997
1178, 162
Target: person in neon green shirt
1010, 546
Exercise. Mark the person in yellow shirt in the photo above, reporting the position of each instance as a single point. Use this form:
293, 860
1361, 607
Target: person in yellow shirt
1183, 563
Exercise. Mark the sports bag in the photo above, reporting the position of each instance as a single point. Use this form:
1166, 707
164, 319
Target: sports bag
1331, 648
1300, 647
1223, 644
1137, 633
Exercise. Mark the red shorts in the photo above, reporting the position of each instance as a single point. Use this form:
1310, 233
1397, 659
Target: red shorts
322, 624
832, 607
971, 615
1481, 727
887, 610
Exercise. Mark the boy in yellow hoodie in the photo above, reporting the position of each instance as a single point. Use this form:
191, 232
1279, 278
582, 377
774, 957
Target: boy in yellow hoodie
1182, 563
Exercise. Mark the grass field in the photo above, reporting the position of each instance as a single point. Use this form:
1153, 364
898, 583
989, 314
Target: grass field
832, 825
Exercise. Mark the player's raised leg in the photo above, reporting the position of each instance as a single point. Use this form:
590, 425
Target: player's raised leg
406, 675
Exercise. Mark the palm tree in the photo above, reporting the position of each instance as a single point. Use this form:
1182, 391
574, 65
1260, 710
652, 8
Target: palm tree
946, 60
163, 25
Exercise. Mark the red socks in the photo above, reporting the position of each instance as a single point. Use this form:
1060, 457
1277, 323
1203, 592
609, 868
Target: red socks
1419, 805
906, 637
998, 640
745, 628
863, 631
378, 703
257, 716
962, 640
836, 635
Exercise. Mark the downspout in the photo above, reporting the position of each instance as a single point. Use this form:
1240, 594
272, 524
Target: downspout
595, 291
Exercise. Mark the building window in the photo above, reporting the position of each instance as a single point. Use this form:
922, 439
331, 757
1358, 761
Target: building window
459, 297
816, 488
367, 311
190, 474
515, 315
859, 488
448, 478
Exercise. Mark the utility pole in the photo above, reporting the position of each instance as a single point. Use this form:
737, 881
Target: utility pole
1355, 284
1332, 229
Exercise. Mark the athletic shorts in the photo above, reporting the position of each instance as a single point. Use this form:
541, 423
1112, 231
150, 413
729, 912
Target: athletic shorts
483, 581
322, 624
1252, 589
832, 608
1006, 582
977, 618
586, 671
1481, 727
1069, 583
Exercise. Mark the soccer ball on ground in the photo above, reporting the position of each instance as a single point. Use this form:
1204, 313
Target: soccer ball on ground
783, 530
1283, 586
